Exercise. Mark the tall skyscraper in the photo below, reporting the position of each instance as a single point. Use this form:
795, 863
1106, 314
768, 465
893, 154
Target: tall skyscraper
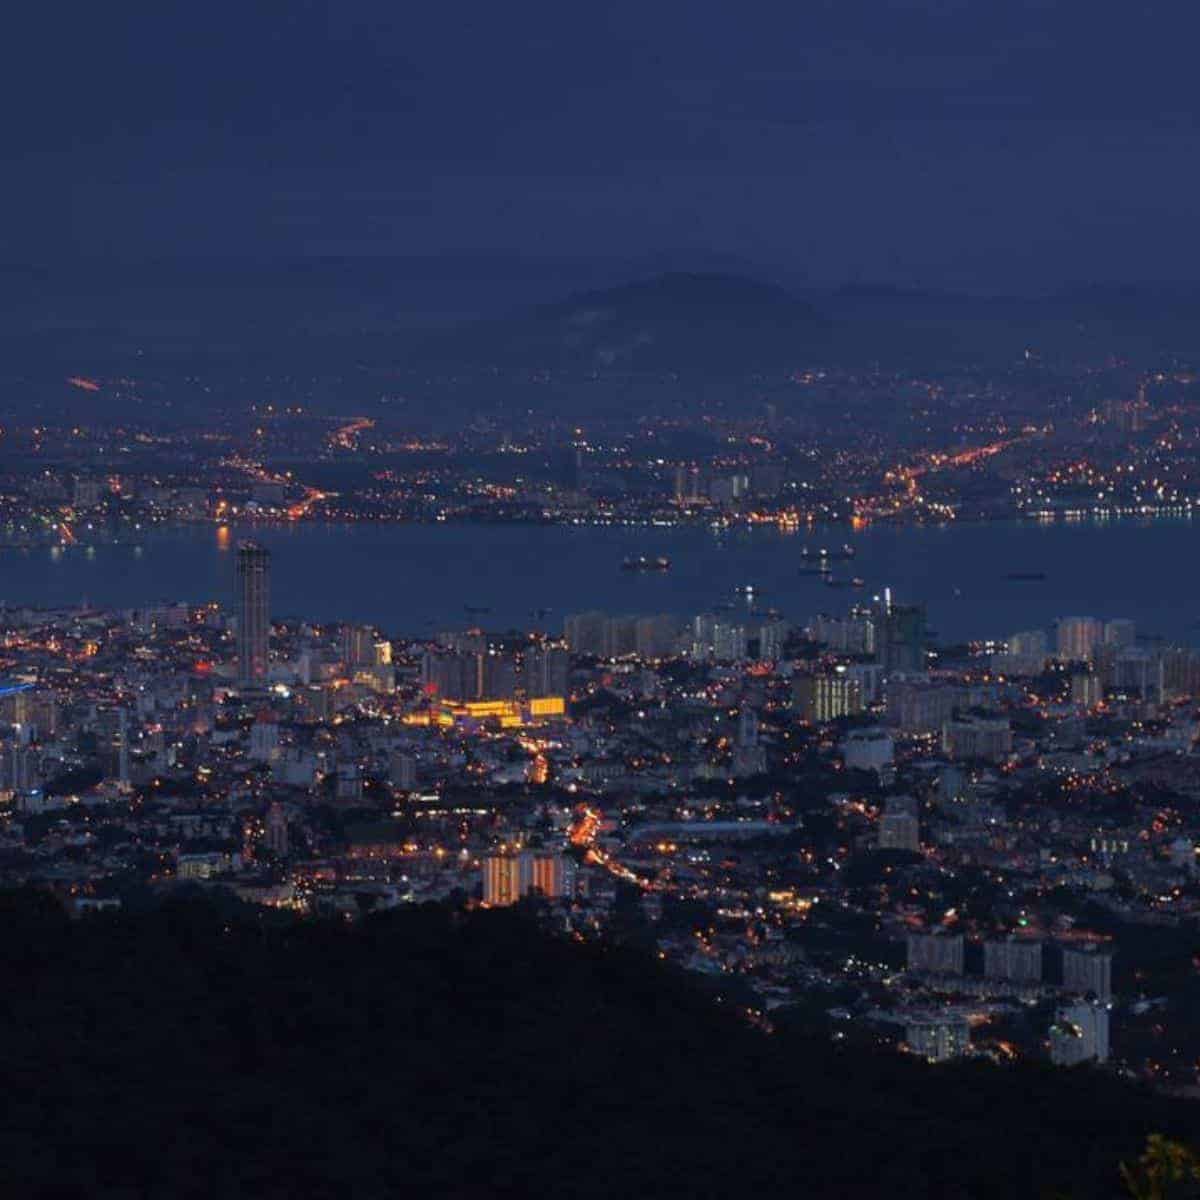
900, 638
20, 769
253, 611
358, 646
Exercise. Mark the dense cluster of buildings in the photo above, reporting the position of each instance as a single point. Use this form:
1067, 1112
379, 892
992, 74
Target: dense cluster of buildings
825, 445
836, 820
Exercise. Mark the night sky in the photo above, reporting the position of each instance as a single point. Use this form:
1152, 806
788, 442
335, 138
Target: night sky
985, 145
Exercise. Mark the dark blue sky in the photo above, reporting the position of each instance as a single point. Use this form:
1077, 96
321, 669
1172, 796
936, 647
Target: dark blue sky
993, 144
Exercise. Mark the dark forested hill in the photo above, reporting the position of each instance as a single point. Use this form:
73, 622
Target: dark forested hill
186, 1052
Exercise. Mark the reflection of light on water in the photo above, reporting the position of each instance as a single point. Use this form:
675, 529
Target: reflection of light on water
222, 537
91, 552
137, 552
55, 553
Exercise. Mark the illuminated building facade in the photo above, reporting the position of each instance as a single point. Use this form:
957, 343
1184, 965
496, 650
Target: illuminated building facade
939, 1039
508, 877
1087, 690
509, 714
826, 697
358, 646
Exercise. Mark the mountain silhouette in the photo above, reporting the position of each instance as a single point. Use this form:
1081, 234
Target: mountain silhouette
671, 322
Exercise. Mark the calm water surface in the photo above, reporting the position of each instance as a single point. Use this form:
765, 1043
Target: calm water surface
411, 578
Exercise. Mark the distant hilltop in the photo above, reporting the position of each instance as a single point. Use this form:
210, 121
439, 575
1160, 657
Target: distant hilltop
670, 322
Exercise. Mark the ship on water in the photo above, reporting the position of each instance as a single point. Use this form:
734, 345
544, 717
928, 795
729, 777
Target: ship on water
641, 562
826, 555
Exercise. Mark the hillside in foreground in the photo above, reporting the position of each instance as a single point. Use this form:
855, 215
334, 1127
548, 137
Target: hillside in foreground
189, 1052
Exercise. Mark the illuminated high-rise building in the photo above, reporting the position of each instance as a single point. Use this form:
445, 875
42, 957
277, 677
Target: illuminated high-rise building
545, 670
253, 612
1078, 638
827, 696
358, 646
1087, 689
656, 636
20, 768
501, 880
1030, 643
552, 875
508, 877
584, 633
938, 1039
772, 637
730, 642
450, 676
469, 675
1181, 672
854, 633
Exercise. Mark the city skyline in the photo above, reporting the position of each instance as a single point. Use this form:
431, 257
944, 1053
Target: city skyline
600, 599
